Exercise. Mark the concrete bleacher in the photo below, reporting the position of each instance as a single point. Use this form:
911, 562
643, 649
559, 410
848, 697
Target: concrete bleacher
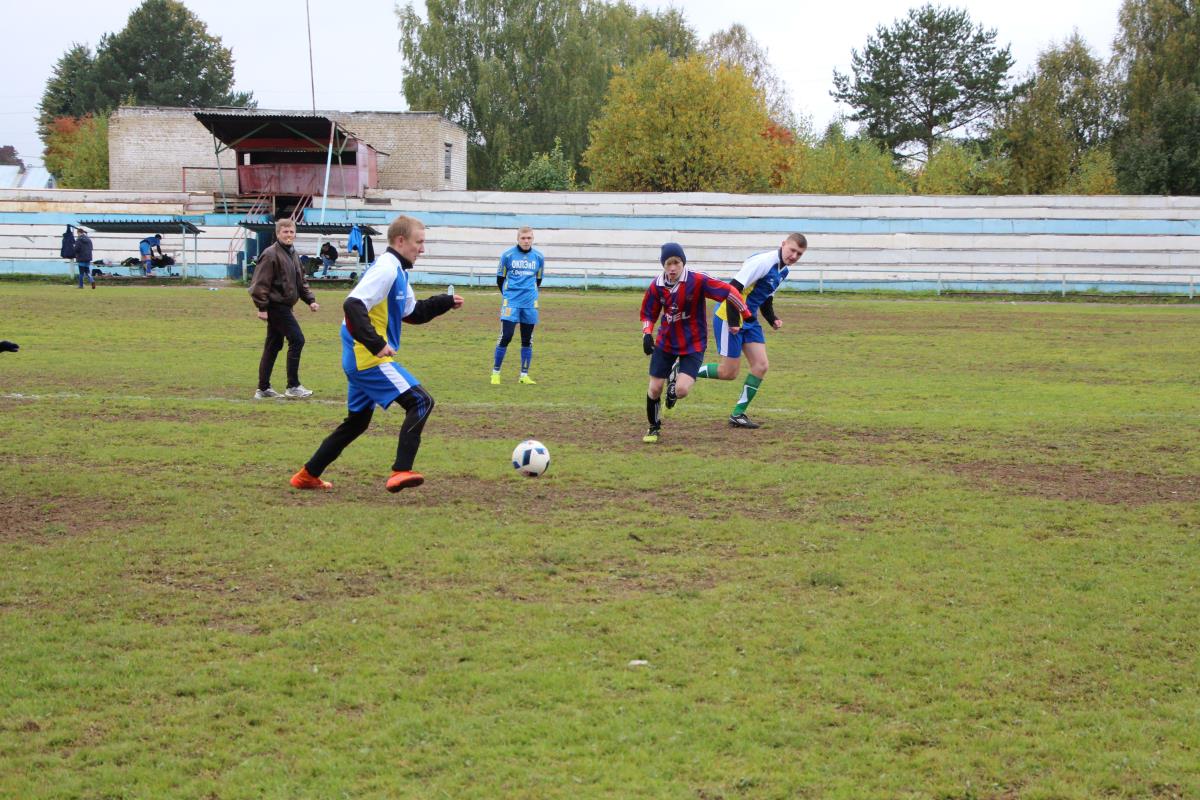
1015, 243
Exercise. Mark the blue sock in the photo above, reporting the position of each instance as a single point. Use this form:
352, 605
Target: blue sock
499, 358
526, 357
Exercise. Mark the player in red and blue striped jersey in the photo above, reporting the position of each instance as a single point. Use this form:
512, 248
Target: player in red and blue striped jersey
677, 296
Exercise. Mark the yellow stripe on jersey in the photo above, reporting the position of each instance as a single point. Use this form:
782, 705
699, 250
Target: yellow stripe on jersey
363, 357
721, 306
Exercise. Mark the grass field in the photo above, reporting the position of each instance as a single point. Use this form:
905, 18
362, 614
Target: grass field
960, 560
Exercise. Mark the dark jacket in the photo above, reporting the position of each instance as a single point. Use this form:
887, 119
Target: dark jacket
279, 279
83, 249
68, 244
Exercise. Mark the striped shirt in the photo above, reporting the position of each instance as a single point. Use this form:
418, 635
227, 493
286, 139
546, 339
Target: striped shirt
683, 328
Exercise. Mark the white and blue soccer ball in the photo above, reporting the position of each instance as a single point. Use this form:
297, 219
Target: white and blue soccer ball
531, 458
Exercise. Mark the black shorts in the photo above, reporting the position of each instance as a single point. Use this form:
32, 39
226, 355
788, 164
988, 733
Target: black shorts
661, 363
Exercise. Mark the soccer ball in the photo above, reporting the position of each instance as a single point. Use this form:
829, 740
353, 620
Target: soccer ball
531, 458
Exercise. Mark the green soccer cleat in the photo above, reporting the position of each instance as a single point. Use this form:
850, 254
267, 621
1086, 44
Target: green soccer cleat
651, 436
525, 379
495, 379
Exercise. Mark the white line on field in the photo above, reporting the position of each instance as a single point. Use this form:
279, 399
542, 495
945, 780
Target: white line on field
508, 404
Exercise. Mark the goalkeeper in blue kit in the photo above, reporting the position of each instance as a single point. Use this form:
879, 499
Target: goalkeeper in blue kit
519, 276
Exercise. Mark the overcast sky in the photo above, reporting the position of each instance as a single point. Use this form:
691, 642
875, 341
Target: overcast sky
357, 64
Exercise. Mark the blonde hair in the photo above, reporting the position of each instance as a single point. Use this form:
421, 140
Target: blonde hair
403, 226
280, 224
524, 229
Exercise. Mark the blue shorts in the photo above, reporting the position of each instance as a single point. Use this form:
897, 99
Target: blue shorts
144, 249
529, 316
379, 385
661, 363
729, 344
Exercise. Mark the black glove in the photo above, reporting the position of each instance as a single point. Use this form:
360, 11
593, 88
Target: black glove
9, 347
647, 343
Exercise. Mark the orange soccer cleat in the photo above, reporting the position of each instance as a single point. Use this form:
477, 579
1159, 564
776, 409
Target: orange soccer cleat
302, 480
404, 480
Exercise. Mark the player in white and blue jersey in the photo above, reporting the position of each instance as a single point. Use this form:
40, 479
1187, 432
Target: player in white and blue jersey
519, 276
757, 280
375, 311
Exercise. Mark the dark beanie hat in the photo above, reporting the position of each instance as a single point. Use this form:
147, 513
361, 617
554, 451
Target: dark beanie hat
671, 249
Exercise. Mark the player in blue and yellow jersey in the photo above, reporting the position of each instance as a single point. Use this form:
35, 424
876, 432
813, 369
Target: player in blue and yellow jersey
519, 276
677, 295
759, 278
375, 311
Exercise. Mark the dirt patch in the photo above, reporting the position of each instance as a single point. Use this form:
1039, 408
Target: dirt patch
42, 520
1066, 482
203, 582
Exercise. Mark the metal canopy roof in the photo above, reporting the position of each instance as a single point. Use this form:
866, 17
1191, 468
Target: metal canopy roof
175, 225
325, 228
250, 131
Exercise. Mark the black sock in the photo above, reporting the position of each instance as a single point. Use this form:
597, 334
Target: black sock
653, 414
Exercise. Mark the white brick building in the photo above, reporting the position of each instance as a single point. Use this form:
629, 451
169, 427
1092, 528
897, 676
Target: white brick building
154, 148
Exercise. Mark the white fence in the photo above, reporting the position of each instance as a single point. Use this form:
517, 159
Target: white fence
1007, 243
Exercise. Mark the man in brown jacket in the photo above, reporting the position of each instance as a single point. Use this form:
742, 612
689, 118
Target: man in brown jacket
279, 281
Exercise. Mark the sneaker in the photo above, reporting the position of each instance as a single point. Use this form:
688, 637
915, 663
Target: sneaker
296, 392
651, 435
266, 394
671, 397
742, 421
525, 379
495, 379
404, 480
302, 480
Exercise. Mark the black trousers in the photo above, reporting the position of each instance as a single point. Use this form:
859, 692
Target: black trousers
416, 402
506, 333
281, 325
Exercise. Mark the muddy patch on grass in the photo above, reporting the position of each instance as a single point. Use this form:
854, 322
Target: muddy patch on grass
1067, 482
42, 520
201, 582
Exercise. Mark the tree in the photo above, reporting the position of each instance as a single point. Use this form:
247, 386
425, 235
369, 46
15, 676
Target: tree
9, 157
1157, 58
680, 126
71, 89
164, 56
928, 76
1059, 114
736, 47
838, 164
77, 152
948, 170
517, 74
1096, 173
545, 172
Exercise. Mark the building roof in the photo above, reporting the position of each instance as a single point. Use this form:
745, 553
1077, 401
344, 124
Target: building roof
255, 130
326, 228
173, 225
10, 176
